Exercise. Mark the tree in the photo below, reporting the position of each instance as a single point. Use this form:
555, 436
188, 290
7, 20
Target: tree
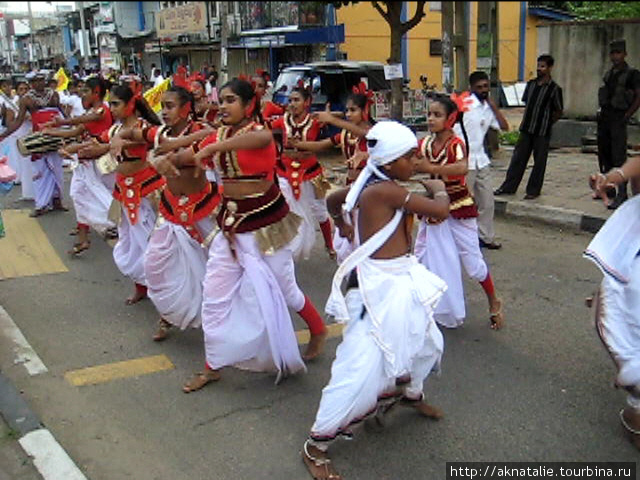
392, 15
595, 10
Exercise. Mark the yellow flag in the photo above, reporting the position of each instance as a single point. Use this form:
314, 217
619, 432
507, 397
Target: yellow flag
62, 79
154, 95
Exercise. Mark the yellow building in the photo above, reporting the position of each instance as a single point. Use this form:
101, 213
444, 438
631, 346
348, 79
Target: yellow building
367, 38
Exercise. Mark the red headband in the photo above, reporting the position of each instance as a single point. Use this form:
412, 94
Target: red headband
361, 89
263, 74
462, 101
136, 88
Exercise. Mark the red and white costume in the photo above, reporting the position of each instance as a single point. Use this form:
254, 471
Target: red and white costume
442, 246
302, 182
176, 256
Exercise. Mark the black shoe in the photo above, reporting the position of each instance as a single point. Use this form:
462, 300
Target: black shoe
616, 202
530, 196
491, 246
502, 191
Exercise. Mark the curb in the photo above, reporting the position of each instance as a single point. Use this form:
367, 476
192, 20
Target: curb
550, 215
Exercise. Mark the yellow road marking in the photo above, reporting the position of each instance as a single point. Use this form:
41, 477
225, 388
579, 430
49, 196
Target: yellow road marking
25, 250
335, 330
113, 371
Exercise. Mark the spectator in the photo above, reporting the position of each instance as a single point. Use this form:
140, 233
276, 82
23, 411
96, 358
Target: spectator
618, 99
543, 99
157, 78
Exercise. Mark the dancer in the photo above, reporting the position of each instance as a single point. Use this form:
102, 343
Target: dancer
250, 277
175, 259
205, 111
43, 105
137, 188
90, 195
442, 245
268, 109
300, 175
616, 251
391, 342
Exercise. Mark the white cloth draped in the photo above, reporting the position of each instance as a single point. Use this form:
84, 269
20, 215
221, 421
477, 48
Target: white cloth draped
303, 207
128, 253
245, 318
20, 163
48, 181
91, 198
174, 268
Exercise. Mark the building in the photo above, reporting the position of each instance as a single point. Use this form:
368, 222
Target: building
367, 38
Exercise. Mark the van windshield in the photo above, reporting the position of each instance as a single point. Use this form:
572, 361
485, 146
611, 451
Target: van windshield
288, 80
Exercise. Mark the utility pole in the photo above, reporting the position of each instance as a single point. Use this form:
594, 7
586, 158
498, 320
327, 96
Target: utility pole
224, 33
32, 56
447, 46
83, 32
461, 44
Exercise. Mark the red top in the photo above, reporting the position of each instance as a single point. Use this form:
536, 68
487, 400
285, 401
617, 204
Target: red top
256, 163
129, 154
153, 133
270, 109
42, 116
307, 130
349, 143
96, 128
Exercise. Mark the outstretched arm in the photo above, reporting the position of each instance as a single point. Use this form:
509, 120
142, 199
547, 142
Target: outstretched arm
328, 117
311, 146
169, 144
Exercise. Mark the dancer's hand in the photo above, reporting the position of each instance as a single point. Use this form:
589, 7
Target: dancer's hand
164, 165
346, 230
432, 186
117, 144
357, 158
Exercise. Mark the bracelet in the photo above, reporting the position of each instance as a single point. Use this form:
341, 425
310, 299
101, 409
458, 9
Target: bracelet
621, 173
406, 200
335, 217
441, 194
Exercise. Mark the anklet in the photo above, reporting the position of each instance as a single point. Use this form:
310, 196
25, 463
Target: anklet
624, 423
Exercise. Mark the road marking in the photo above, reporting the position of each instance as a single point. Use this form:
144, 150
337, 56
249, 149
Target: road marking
334, 330
49, 457
114, 371
25, 250
24, 353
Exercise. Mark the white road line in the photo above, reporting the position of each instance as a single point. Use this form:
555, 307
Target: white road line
24, 353
49, 457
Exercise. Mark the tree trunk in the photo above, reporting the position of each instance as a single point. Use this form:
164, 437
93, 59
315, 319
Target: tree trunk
395, 26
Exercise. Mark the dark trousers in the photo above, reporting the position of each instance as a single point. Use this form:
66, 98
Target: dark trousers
612, 142
527, 144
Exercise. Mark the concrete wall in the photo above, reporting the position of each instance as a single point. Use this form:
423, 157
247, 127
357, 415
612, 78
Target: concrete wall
581, 53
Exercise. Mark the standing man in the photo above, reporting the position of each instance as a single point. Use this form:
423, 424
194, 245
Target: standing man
543, 98
618, 99
482, 115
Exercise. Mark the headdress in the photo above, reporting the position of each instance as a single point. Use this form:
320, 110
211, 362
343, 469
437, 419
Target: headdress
361, 89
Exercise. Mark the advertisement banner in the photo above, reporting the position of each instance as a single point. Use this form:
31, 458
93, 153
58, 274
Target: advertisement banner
188, 18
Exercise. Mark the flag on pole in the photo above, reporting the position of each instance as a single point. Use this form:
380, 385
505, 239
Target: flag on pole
154, 95
63, 80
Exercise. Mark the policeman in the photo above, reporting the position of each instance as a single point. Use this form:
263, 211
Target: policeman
618, 98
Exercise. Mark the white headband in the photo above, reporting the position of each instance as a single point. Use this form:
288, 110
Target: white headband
387, 141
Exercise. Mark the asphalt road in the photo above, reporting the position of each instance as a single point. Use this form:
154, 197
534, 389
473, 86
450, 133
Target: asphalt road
539, 390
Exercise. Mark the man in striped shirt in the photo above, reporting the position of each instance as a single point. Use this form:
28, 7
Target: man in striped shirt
543, 98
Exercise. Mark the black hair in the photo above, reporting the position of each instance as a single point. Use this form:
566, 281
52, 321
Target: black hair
245, 91
477, 76
305, 92
4, 80
451, 107
124, 93
98, 82
184, 96
360, 101
546, 58
202, 84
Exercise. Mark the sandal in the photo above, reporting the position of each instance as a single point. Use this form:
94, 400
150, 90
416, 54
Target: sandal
322, 466
57, 205
333, 255
163, 330
423, 408
496, 318
38, 212
201, 379
74, 232
79, 247
111, 233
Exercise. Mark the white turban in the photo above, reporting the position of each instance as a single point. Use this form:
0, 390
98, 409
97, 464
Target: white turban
387, 141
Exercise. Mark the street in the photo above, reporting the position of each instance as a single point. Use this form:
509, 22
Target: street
539, 390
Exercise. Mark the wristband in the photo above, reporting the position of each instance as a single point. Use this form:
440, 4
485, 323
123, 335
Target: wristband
441, 194
621, 173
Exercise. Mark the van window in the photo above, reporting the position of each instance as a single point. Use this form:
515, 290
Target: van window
287, 81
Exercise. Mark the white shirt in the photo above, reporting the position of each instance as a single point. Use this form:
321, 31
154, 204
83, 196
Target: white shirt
73, 101
158, 80
477, 122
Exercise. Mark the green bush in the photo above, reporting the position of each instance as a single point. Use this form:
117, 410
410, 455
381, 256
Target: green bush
509, 138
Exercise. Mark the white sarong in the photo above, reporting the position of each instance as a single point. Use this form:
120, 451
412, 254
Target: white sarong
390, 335
20, 163
48, 182
174, 268
128, 253
91, 198
442, 247
616, 251
245, 318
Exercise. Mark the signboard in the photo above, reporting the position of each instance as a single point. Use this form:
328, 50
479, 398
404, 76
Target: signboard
392, 72
187, 18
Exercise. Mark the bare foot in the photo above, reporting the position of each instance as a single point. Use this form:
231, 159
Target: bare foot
315, 346
318, 463
139, 294
424, 409
201, 379
163, 330
57, 205
332, 253
495, 315
79, 247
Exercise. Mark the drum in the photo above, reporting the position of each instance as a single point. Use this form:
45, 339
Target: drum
38, 143
106, 164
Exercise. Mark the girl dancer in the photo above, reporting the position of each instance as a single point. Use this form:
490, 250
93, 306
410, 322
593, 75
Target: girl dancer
250, 277
204, 110
442, 245
300, 176
268, 109
175, 259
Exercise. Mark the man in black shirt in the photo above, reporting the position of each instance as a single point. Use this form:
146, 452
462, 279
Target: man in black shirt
543, 98
618, 99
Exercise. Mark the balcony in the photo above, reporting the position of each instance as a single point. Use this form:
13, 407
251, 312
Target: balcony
266, 15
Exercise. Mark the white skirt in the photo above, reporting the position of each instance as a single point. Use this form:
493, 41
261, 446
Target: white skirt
91, 198
245, 318
47, 181
128, 253
21, 164
391, 334
174, 268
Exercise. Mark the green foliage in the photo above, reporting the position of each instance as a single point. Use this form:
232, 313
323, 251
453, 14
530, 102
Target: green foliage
595, 10
509, 138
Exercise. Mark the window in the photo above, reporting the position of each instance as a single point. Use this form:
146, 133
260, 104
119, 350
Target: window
435, 6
